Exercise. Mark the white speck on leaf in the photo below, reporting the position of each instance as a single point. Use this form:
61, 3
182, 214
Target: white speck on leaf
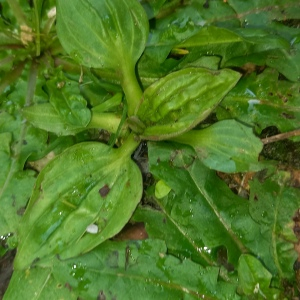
93, 229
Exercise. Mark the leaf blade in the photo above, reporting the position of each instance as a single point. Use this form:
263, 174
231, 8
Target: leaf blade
71, 197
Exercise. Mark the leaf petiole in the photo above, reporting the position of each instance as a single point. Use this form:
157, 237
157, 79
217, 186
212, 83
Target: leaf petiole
107, 121
132, 89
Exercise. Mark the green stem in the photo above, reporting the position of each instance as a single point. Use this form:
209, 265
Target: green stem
37, 30
132, 89
185, 138
130, 144
106, 121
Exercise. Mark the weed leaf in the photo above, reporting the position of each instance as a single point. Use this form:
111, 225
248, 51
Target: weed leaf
180, 100
226, 146
102, 34
74, 208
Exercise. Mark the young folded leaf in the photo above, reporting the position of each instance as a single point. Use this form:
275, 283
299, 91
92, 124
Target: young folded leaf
98, 188
226, 146
179, 101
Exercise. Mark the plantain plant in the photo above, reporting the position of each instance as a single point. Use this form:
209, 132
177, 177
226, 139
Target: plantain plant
91, 103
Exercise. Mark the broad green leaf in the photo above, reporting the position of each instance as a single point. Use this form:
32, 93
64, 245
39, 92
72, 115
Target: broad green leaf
102, 33
82, 197
226, 146
255, 279
202, 210
273, 206
179, 101
67, 101
122, 270
208, 214
140, 270
263, 100
37, 284
45, 117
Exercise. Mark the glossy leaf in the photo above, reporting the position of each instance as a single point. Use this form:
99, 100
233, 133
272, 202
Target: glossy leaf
200, 210
226, 146
140, 270
263, 100
97, 186
102, 34
180, 100
199, 199
180, 240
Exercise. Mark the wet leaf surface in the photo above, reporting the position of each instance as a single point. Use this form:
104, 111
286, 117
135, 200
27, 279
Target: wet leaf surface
66, 201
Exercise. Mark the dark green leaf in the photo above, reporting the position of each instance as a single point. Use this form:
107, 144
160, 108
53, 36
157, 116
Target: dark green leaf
152, 7
140, 270
180, 240
240, 46
205, 213
208, 214
263, 100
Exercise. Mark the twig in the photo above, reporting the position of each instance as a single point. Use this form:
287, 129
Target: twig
281, 136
